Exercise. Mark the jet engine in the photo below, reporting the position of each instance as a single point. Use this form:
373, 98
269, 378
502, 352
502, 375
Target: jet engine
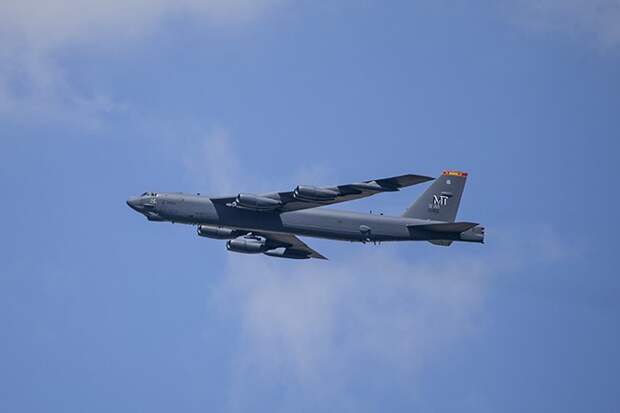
256, 202
209, 231
247, 245
312, 193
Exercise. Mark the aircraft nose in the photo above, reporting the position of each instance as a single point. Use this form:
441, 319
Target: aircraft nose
134, 203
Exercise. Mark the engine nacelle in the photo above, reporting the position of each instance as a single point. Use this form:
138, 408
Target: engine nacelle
247, 245
256, 202
312, 193
209, 231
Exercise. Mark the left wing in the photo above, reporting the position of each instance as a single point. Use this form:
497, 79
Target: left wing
304, 197
293, 246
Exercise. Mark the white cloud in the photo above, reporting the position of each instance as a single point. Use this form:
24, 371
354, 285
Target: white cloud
598, 20
50, 24
33, 88
319, 324
213, 162
33, 85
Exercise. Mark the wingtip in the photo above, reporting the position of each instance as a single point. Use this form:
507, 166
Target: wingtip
318, 256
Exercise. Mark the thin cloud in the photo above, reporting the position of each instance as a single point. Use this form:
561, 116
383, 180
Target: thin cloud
34, 85
319, 325
213, 160
598, 21
214, 163
52, 24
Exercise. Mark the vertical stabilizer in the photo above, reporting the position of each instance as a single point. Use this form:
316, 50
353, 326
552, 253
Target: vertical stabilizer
440, 202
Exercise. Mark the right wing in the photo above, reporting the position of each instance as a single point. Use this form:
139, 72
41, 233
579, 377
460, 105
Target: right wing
292, 245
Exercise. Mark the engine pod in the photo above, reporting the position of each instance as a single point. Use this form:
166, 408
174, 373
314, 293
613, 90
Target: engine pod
256, 202
214, 232
247, 245
312, 193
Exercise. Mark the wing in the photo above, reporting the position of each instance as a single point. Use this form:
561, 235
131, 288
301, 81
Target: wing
304, 197
293, 246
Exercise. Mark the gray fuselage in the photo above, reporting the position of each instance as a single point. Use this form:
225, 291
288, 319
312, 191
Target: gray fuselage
321, 222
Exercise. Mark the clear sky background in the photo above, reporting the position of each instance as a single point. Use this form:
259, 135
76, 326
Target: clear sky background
102, 311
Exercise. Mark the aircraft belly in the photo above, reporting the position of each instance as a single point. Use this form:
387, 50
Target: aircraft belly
324, 228
343, 226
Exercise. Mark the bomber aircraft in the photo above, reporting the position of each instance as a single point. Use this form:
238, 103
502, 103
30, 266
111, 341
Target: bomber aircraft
269, 223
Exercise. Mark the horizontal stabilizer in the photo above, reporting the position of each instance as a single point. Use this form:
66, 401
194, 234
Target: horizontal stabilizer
451, 227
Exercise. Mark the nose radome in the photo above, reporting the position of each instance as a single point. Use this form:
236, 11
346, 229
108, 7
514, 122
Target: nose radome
133, 202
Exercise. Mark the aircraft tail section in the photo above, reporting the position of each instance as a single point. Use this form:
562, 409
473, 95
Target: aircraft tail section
440, 202
444, 233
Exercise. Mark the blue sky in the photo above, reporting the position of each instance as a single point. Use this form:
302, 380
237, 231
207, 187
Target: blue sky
101, 310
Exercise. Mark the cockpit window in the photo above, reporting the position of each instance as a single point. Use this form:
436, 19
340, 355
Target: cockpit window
149, 194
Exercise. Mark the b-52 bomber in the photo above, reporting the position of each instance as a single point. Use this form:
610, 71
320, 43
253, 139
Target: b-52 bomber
269, 223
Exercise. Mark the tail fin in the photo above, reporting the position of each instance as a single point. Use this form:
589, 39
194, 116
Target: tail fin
440, 202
